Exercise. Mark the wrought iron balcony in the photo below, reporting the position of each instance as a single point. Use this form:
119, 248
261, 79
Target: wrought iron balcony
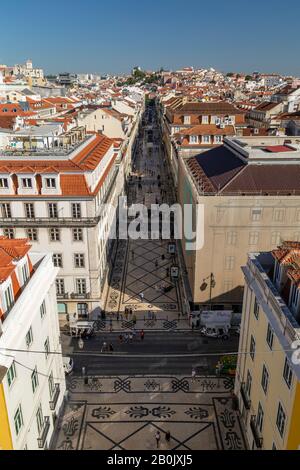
255, 432
54, 397
44, 432
46, 222
75, 295
245, 398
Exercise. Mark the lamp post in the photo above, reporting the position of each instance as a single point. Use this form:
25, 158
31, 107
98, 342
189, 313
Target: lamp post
212, 284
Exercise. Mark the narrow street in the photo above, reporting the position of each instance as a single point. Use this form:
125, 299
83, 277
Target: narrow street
145, 384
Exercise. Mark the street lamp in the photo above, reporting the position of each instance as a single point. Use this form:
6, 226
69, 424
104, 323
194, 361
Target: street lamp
212, 284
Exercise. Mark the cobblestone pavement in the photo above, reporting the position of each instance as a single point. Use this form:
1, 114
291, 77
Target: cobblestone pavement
125, 412
141, 275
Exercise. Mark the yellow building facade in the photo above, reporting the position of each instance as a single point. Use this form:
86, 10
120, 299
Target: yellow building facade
268, 372
5, 434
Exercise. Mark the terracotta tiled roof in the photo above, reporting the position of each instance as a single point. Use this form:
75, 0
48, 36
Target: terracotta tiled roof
208, 129
74, 185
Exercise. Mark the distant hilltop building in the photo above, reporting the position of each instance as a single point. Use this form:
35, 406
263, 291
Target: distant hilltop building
28, 71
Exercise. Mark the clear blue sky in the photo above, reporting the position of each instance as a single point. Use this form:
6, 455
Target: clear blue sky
112, 36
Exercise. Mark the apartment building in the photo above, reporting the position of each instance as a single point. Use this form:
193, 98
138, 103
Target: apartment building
268, 375
55, 196
250, 191
189, 128
32, 385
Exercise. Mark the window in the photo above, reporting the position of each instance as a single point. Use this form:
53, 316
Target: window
76, 211
52, 210
260, 417
294, 296
275, 238
34, 380
60, 286
278, 215
29, 211
11, 374
29, 337
47, 347
50, 183
187, 120
248, 384
77, 235
25, 273
270, 336
265, 379
39, 419
43, 309
218, 139
26, 182
231, 238
18, 419
32, 234
256, 215
3, 183
9, 299
57, 260
82, 310
287, 373
229, 263
204, 119
281, 418
54, 234
51, 385
193, 139
252, 348
206, 139
256, 309
5, 210
228, 285
79, 260
81, 286
253, 238
9, 233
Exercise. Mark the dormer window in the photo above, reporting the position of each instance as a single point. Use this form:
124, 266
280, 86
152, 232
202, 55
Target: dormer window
9, 299
50, 183
3, 183
204, 119
187, 119
26, 182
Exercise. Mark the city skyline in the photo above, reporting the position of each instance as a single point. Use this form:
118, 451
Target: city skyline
152, 36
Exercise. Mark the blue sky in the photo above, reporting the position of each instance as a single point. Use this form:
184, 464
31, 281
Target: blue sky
113, 36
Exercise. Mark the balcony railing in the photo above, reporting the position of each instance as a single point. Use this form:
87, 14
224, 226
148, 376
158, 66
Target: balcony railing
44, 432
50, 222
245, 398
75, 295
255, 432
54, 397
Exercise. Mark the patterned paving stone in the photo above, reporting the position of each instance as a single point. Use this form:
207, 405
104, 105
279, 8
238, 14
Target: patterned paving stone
125, 413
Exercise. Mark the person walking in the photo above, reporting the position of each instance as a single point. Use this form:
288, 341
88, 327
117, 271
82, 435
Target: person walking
111, 348
156, 264
142, 335
168, 436
142, 296
193, 375
132, 254
157, 437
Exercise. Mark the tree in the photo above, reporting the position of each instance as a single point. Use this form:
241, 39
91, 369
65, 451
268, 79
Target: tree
248, 77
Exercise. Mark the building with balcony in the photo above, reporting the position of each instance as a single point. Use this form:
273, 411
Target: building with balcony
32, 380
268, 371
61, 192
190, 127
249, 189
